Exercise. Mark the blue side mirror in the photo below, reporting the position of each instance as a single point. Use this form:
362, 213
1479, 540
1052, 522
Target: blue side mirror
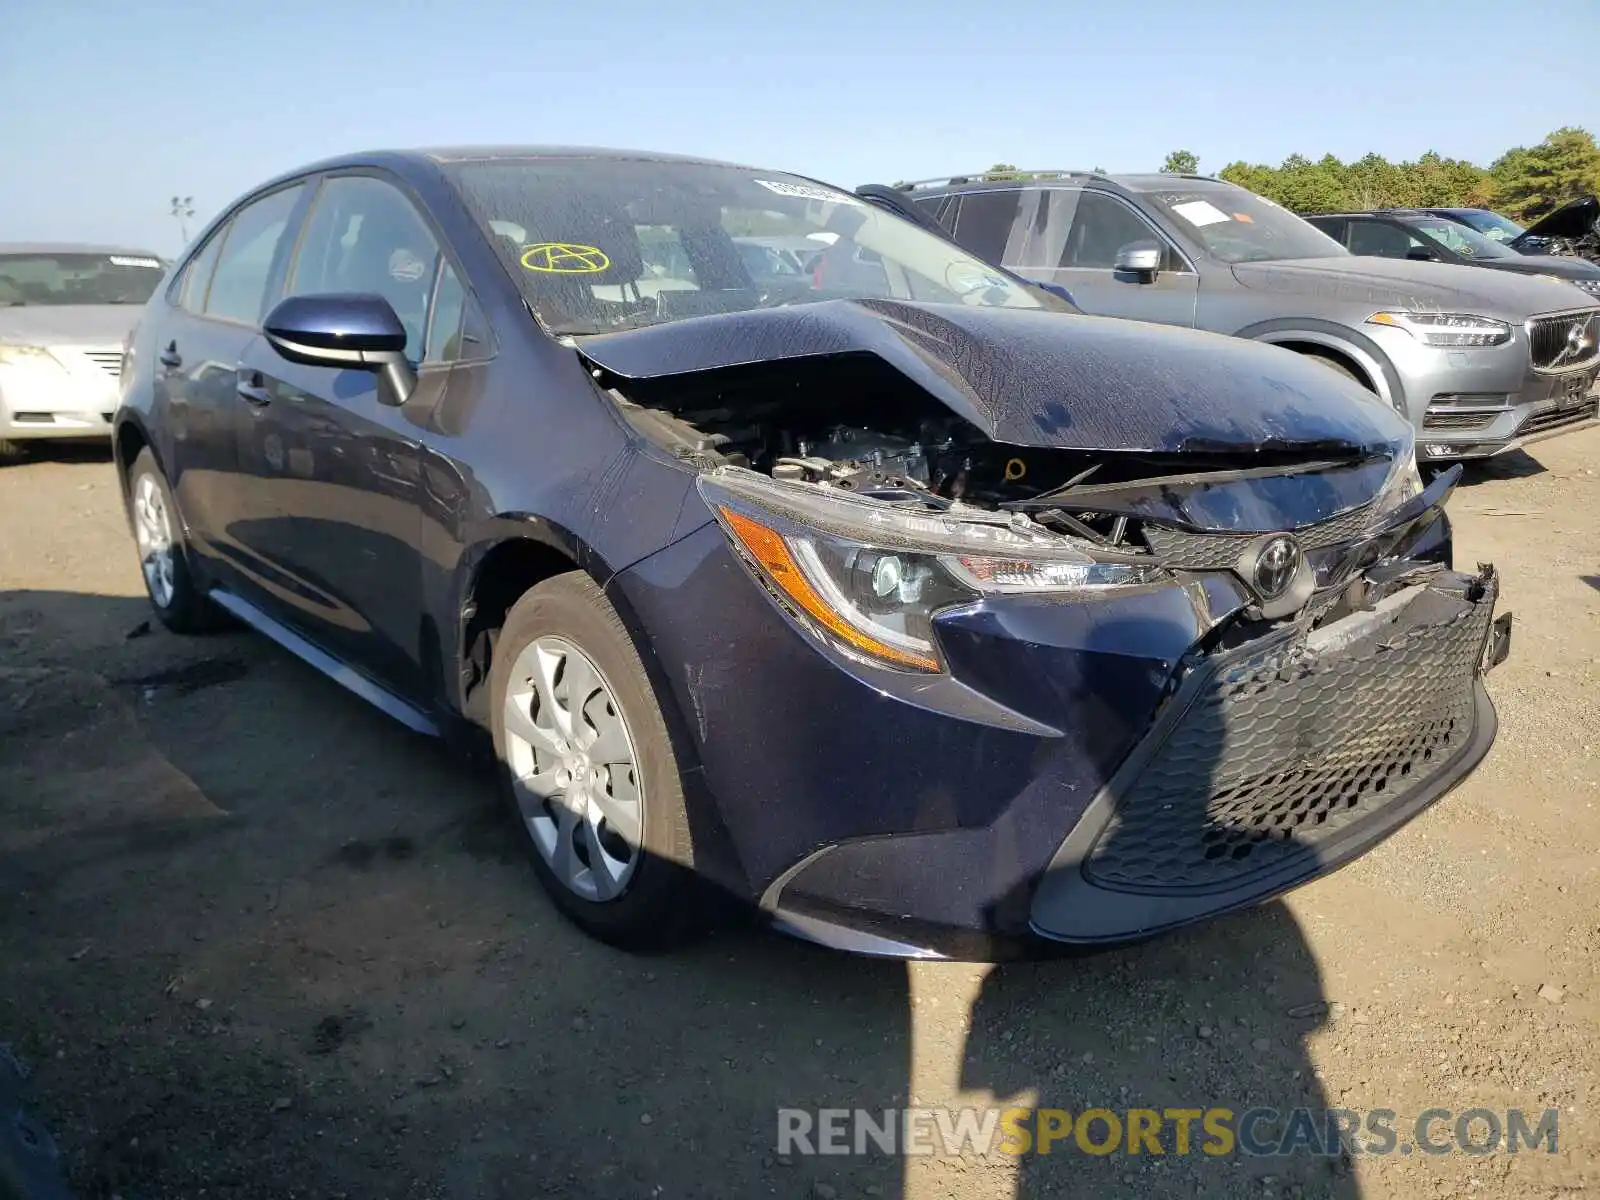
1055, 289
351, 330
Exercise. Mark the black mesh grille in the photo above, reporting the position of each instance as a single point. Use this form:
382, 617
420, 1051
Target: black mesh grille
1281, 750
1186, 551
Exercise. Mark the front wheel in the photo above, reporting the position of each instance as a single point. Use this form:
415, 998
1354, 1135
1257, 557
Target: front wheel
163, 561
589, 770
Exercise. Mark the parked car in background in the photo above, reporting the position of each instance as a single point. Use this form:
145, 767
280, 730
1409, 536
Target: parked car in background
1479, 361
1420, 236
65, 309
1569, 230
917, 618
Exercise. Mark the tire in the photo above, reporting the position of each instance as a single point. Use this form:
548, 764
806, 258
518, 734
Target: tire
168, 580
1334, 364
12, 451
561, 630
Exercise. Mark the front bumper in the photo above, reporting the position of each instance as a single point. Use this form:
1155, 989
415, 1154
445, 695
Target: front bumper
72, 394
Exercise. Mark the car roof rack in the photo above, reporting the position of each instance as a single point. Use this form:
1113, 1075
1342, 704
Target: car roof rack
960, 180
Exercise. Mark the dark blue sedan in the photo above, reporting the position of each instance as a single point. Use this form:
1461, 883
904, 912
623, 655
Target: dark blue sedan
908, 605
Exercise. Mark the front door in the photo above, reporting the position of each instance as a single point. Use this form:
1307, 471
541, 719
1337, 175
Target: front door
341, 463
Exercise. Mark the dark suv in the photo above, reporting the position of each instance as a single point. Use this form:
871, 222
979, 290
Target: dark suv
1479, 361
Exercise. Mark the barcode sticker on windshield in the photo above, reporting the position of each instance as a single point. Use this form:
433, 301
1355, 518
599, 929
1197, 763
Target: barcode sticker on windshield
119, 260
1200, 212
806, 191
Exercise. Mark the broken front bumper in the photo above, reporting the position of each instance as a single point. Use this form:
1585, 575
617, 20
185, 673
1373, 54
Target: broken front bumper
1281, 760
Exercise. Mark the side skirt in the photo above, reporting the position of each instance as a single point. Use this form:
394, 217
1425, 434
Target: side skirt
379, 697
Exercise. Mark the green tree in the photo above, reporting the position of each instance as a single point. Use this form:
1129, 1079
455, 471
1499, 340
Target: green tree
1529, 182
1181, 162
1002, 171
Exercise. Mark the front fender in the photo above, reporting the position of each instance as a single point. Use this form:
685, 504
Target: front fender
1362, 350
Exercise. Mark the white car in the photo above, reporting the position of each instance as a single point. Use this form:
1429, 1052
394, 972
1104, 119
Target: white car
64, 312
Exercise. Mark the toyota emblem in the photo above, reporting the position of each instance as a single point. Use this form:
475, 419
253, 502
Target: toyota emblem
1276, 567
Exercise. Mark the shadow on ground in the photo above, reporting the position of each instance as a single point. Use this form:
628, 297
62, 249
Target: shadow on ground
263, 942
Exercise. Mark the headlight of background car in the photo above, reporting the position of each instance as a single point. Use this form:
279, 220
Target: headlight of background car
36, 357
1592, 286
868, 577
1446, 329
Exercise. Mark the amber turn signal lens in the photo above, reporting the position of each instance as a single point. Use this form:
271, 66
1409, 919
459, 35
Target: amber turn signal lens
771, 552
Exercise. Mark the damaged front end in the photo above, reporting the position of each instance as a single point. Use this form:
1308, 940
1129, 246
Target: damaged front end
1277, 611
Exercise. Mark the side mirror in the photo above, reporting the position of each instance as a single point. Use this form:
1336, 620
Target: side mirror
355, 331
1139, 258
1055, 289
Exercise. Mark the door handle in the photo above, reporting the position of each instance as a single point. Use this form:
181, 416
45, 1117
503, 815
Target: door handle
170, 356
252, 388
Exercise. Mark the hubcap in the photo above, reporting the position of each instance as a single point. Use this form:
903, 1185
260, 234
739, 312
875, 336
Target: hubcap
572, 765
152, 530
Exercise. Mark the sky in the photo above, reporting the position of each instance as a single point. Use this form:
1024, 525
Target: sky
110, 107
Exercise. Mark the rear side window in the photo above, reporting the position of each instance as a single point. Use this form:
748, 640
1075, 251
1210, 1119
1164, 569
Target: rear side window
941, 208
1380, 238
985, 222
197, 275
239, 285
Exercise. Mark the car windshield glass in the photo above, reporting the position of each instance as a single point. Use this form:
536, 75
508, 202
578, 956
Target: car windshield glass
1468, 243
1492, 224
61, 279
1239, 226
597, 245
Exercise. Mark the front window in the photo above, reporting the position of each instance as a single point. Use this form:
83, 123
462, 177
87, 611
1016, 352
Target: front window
1239, 226
1468, 243
1492, 224
67, 279
598, 245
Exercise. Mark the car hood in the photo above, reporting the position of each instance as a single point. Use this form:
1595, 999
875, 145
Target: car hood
1571, 220
1546, 264
1403, 284
68, 324
1032, 378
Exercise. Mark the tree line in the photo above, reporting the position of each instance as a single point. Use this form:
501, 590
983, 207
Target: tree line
1523, 183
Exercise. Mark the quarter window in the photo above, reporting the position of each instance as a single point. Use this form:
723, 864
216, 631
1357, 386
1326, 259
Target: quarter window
197, 275
238, 289
985, 222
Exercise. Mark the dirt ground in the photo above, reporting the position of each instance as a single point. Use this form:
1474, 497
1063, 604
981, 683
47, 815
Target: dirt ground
256, 940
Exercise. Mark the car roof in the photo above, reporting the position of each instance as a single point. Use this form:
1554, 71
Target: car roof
74, 248
1399, 214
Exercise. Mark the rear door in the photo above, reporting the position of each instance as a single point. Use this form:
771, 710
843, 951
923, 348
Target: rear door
345, 469
213, 321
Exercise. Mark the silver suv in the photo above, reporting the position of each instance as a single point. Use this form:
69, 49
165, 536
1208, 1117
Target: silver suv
1479, 361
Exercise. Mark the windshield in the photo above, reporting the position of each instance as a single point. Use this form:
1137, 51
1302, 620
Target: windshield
60, 279
1239, 226
597, 245
1468, 243
1491, 224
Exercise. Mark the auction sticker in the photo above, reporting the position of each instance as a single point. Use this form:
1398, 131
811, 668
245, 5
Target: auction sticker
806, 191
564, 258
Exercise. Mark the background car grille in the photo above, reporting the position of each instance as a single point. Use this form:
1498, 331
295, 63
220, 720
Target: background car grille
1282, 750
1457, 420
1548, 340
1186, 551
109, 361
1555, 419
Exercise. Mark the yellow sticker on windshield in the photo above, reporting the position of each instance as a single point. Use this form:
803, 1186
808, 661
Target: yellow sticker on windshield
564, 258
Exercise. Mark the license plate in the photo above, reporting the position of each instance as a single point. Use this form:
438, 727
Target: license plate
1574, 391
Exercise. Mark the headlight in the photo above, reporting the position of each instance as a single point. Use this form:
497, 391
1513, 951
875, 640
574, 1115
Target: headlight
1446, 329
36, 357
868, 577
1404, 483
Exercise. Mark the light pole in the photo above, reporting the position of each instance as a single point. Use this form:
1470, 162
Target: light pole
183, 209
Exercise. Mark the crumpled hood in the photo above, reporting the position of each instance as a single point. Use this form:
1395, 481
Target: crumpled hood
1572, 220
68, 324
1403, 284
1032, 378
1561, 266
